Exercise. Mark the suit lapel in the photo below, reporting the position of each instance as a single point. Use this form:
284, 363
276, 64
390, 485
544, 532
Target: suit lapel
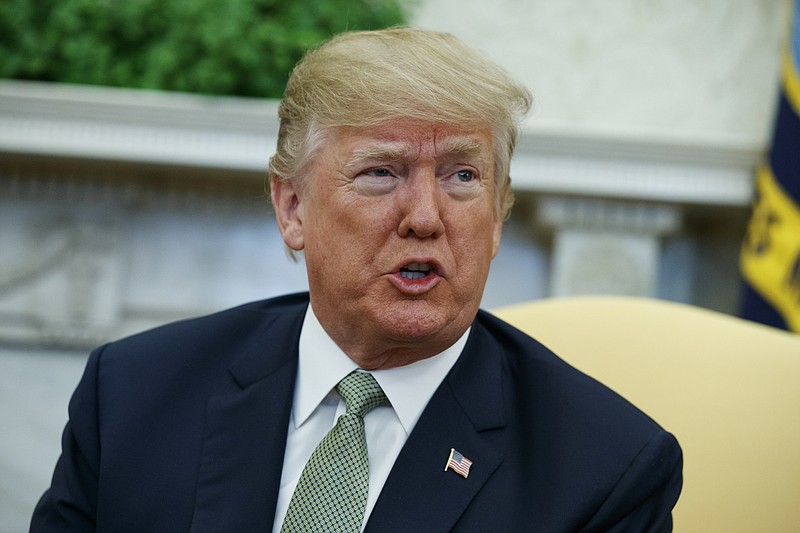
245, 434
465, 413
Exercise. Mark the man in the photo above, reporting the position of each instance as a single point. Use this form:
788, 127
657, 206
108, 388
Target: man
391, 177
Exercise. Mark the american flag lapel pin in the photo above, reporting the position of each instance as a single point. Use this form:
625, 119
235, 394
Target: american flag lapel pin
458, 463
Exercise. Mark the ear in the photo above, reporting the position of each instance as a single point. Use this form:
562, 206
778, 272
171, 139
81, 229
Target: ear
497, 232
289, 212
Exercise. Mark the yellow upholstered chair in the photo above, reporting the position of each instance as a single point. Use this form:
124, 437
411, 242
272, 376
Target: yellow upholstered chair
727, 388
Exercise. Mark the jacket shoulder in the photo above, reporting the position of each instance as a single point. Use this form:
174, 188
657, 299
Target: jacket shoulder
543, 377
608, 464
233, 322
207, 343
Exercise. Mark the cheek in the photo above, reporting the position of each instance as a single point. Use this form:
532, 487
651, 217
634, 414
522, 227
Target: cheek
479, 225
475, 248
346, 236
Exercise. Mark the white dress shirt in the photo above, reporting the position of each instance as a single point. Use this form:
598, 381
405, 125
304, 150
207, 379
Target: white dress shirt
317, 406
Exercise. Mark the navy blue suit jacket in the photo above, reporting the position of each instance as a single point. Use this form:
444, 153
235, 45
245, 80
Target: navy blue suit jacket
183, 428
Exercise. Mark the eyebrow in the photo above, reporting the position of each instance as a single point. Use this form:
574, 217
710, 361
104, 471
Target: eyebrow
449, 147
380, 152
463, 146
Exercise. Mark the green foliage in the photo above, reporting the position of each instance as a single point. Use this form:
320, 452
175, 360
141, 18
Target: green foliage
241, 47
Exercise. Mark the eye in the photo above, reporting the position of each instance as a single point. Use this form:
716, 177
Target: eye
465, 176
462, 181
379, 172
376, 181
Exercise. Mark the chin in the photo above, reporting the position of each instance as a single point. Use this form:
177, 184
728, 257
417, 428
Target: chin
414, 324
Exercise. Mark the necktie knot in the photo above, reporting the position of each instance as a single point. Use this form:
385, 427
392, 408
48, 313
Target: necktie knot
361, 393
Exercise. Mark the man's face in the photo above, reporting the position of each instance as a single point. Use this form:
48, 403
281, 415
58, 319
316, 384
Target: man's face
398, 228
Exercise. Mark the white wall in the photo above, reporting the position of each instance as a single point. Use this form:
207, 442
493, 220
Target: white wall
662, 67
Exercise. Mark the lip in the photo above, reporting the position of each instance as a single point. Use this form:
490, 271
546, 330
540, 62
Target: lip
419, 286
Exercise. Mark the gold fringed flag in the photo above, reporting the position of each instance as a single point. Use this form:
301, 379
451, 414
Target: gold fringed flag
770, 259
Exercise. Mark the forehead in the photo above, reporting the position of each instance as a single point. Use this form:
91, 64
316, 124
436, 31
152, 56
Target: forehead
410, 140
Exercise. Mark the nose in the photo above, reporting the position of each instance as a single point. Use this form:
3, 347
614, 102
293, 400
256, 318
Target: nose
420, 205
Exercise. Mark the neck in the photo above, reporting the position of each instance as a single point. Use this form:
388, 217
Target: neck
375, 352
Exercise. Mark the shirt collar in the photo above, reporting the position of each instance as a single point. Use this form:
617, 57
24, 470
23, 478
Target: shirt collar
323, 364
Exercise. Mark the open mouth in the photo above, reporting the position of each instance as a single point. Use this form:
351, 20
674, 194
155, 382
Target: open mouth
415, 270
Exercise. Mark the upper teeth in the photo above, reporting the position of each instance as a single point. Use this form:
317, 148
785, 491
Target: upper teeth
415, 270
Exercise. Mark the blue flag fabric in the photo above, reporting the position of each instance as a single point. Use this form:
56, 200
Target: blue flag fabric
770, 259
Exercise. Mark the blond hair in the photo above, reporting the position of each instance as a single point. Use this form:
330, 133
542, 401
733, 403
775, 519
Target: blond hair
369, 78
